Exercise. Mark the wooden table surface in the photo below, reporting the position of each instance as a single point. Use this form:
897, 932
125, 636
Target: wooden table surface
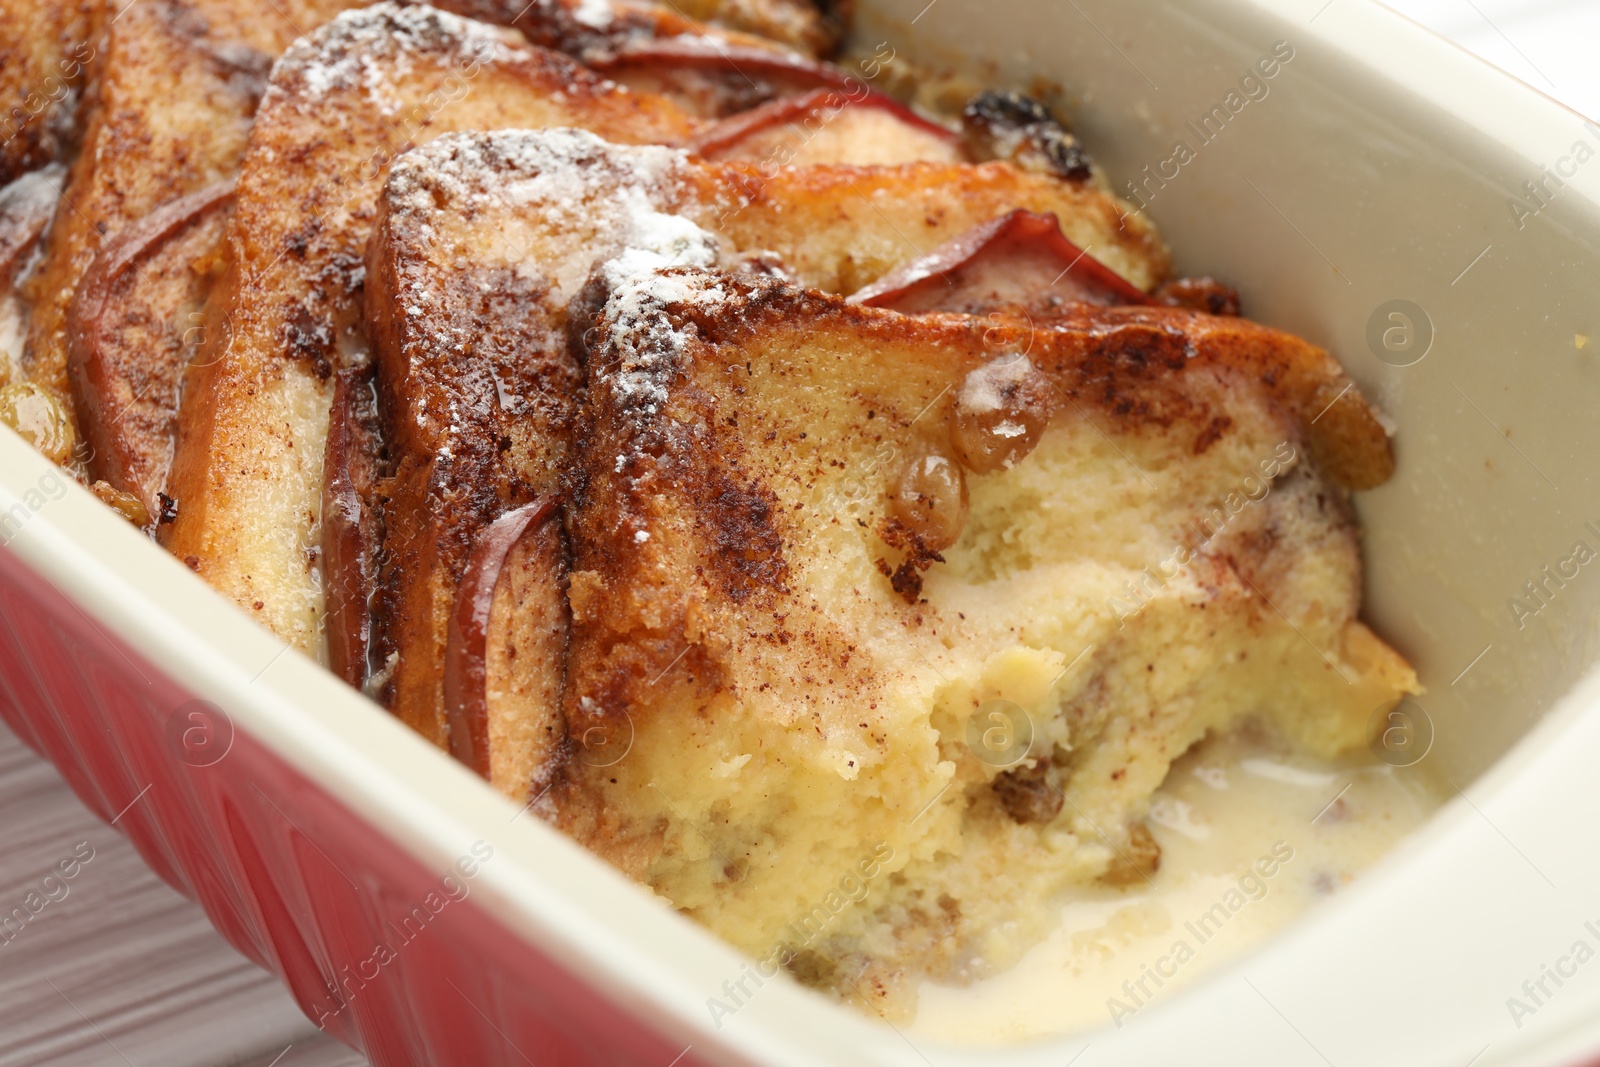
112, 967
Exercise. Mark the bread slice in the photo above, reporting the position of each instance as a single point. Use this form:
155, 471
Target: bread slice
830, 126
919, 609
44, 57
134, 323
476, 397
177, 86
483, 241
342, 103
592, 29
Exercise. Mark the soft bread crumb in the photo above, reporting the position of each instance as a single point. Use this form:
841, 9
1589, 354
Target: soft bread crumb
1121, 592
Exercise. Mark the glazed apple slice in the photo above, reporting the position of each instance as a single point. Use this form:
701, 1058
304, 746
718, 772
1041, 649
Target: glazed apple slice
1020, 260
504, 656
863, 127
125, 352
350, 525
715, 77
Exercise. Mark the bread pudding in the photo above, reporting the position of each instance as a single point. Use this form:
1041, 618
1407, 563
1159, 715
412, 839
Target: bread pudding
1105, 531
831, 514
565, 200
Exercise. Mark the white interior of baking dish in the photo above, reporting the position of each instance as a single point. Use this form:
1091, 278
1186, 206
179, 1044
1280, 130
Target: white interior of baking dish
1380, 166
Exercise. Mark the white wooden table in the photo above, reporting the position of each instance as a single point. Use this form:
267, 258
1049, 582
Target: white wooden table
112, 967
122, 971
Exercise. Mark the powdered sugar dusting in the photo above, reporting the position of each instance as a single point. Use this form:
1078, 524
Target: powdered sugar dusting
637, 324
596, 14
984, 390
648, 346
610, 199
656, 240
370, 49
566, 178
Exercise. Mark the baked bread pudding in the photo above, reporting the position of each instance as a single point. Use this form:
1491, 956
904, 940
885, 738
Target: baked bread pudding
832, 514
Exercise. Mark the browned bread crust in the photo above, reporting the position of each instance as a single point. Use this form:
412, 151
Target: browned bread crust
341, 105
45, 54
177, 85
483, 240
477, 394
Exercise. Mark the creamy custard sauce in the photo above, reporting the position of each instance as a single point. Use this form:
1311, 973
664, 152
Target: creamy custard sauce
1251, 835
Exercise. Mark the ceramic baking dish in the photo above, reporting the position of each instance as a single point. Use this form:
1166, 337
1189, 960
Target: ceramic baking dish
1379, 172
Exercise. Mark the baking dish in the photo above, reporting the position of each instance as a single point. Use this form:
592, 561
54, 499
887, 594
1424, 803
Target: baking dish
419, 916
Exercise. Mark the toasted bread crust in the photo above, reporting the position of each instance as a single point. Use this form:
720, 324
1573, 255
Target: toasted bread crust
342, 104
458, 316
477, 395
44, 56
178, 86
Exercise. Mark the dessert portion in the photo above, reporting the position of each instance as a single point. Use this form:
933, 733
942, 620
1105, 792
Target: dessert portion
829, 512
176, 87
479, 272
830, 559
342, 103
286, 314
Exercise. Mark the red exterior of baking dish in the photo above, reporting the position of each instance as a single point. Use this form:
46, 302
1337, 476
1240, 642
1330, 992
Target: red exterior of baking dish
384, 954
